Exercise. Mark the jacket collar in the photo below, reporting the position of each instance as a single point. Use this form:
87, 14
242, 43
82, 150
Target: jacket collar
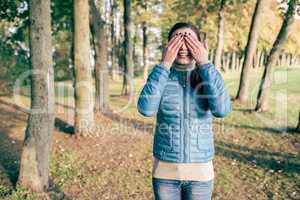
176, 74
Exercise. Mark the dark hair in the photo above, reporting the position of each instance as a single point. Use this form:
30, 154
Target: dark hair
195, 79
184, 25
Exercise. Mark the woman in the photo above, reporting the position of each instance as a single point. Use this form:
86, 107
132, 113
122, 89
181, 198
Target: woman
184, 91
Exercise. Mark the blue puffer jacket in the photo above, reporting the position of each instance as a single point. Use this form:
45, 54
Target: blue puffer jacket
183, 131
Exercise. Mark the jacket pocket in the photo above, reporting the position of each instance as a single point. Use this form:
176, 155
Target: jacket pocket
205, 142
164, 137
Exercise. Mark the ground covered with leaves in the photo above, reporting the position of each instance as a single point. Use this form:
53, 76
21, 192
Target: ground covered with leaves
257, 155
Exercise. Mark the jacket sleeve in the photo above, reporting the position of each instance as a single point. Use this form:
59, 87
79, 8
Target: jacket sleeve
151, 93
214, 90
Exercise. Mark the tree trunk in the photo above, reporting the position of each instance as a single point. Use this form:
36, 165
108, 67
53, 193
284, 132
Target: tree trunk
284, 59
237, 61
227, 59
211, 55
220, 36
34, 168
121, 47
257, 59
114, 69
241, 61
145, 52
232, 63
145, 43
294, 60
281, 56
265, 84
136, 65
84, 101
298, 126
290, 59
262, 59
101, 71
277, 62
128, 62
242, 94
223, 63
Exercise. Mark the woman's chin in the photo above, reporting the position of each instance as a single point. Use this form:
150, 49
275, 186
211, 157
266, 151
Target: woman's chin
183, 61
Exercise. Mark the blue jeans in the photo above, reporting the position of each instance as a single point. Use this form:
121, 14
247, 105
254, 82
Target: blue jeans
167, 189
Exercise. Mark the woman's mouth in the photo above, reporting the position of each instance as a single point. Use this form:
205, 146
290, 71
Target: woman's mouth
183, 54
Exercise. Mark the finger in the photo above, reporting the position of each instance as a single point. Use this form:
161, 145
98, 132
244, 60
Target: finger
174, 38
195, 39
190, 48
178, 38
177, 48
198, 42
175, 43
190, 43
195, 42
192, 52
205, 45
178, 44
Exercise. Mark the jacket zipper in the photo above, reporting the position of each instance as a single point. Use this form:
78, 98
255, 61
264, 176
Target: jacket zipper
184, 115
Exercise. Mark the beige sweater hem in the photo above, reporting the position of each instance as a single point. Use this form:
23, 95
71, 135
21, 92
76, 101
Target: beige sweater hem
183, 171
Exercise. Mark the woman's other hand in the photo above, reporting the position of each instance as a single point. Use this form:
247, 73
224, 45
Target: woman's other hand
198, 50
171, 50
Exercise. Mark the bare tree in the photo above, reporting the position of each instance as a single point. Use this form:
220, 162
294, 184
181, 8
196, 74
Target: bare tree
84, 101
266, 80
145, 50
98, 27
145, 43
298, 126
135, 55
128, 62
113, 13
242, 94
34, 169
220, 35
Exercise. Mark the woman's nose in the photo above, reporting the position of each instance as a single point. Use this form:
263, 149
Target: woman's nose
183, 46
